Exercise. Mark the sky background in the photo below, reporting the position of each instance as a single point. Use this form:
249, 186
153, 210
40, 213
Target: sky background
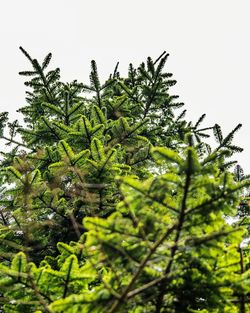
208, 42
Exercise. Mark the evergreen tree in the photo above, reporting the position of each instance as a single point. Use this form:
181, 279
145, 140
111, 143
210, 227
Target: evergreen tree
74, 147
114, 203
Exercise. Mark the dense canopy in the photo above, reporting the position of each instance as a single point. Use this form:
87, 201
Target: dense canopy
111, 201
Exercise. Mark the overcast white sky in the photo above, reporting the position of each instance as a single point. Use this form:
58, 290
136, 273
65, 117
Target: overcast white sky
208, 42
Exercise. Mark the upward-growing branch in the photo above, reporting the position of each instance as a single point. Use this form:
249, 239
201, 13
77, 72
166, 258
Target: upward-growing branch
242, 270
162, 286
141, 267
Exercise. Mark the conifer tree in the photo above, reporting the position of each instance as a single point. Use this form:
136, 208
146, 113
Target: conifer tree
75, 146
114, 203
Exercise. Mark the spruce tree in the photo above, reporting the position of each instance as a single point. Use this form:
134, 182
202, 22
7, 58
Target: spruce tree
114, 203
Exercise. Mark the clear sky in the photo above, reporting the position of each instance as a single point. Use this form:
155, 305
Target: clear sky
208, 42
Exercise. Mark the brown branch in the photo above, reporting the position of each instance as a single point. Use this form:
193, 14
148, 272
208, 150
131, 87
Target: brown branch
242, 270
140, 269
15, 142
152, 283
162, 287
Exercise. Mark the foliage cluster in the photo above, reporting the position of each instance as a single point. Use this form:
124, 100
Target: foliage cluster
112, 202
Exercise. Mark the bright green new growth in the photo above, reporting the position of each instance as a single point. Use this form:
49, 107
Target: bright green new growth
114, 204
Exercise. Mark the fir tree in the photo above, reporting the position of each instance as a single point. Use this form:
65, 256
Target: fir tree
114, 203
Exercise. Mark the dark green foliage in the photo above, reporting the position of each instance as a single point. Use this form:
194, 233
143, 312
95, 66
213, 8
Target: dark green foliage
114, 203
